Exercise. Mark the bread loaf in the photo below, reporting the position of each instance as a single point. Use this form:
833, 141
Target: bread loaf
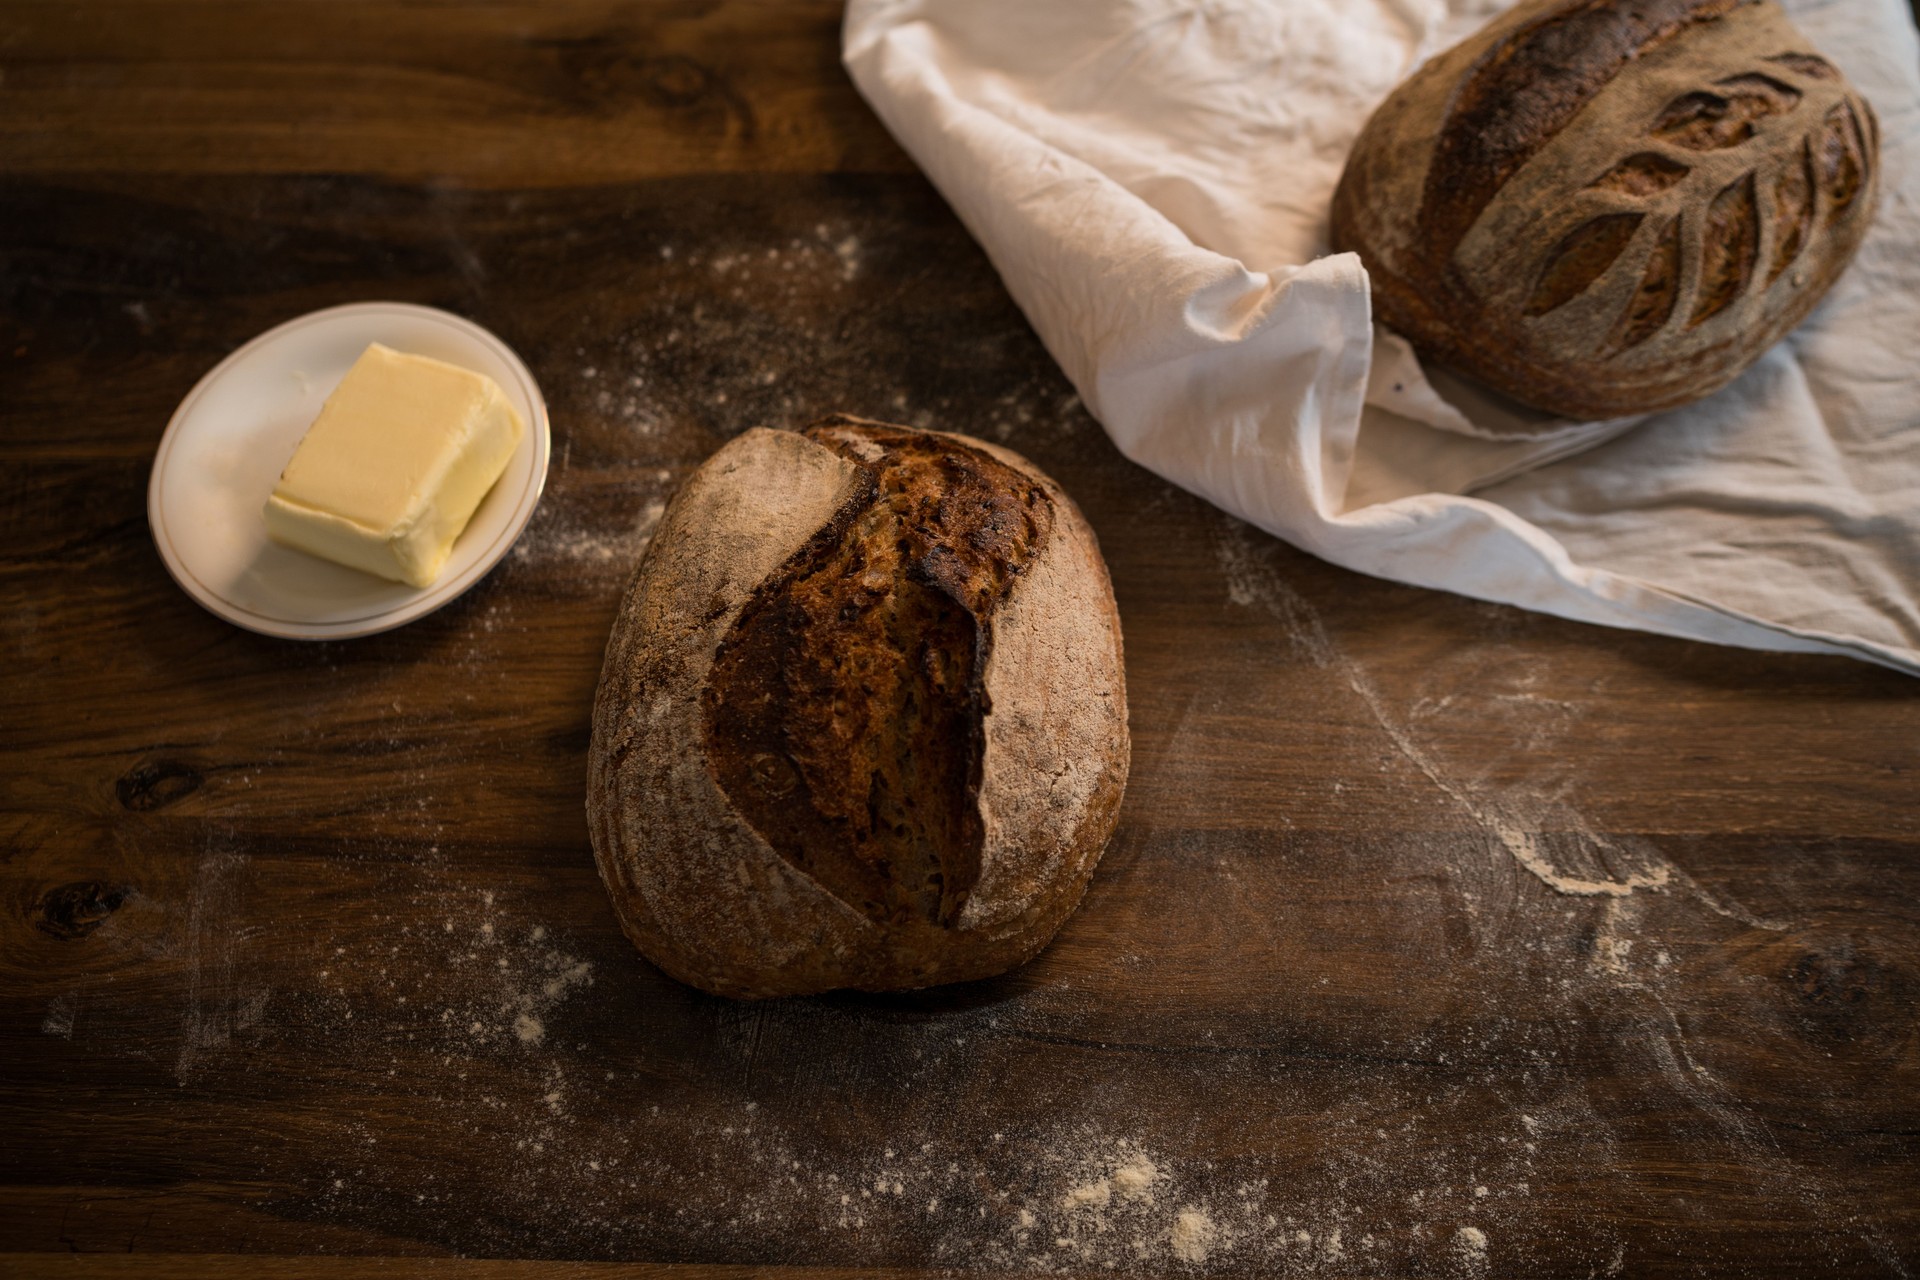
862, 720
1607, 207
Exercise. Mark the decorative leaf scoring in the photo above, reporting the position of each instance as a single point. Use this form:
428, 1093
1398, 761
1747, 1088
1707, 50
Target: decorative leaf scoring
1840, 156
1729, 244
1792, 213
1707, 121
1653, 300
1830, 168
1578, 260
1531, 82
1757, 83
1643, 174
1810, 65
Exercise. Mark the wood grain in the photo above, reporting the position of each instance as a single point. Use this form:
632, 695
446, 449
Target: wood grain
302, 950
527, 94
202, 1266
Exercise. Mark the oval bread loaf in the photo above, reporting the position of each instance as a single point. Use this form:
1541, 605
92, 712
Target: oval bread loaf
1607, 207
862, 721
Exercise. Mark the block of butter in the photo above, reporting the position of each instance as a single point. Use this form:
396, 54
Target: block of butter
392, 469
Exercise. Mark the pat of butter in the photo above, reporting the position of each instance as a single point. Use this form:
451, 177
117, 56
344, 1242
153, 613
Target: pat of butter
393, 468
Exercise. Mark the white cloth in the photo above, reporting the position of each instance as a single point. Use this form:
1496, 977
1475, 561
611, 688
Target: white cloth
1152, 177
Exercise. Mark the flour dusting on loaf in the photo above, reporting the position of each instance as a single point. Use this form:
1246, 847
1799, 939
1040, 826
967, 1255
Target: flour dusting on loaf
1062, 704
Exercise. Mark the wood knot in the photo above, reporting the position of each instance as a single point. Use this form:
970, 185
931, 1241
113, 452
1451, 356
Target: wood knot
75, 910
672, 80
155, 784
1845, 996
603, 76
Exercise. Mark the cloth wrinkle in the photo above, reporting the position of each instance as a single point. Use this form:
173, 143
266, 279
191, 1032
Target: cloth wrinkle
1151, 179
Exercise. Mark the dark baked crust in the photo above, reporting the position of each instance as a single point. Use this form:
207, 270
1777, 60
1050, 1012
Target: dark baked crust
846, 711
862, 720
1606, 207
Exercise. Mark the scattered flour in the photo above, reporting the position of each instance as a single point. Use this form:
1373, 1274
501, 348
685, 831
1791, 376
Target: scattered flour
619, 547
59, 1019
591, 1141
1193, 1236
1088, 1195
1134, 1179
1590, 865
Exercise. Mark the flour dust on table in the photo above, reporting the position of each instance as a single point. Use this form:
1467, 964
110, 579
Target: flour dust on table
570, 1146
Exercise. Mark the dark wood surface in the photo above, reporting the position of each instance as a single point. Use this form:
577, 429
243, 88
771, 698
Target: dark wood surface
302, 949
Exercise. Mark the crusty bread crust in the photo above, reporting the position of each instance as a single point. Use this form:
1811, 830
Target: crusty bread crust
1609, 207
980, 690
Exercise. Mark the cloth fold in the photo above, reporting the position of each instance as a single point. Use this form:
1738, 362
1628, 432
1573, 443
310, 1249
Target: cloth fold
1151, 180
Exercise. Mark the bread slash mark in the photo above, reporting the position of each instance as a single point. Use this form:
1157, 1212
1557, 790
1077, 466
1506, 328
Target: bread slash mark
845, 713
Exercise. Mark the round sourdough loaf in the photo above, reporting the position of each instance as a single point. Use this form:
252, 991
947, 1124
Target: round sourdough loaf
1608, 207
862, 721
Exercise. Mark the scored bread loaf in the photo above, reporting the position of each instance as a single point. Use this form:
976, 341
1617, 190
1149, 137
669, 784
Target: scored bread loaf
862, 720
1608, 207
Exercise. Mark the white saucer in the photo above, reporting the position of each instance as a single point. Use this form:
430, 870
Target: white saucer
233, 434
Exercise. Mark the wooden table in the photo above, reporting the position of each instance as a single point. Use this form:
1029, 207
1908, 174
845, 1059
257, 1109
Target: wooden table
1337, 1001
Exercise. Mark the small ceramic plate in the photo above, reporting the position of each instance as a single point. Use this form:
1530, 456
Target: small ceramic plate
233, 434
